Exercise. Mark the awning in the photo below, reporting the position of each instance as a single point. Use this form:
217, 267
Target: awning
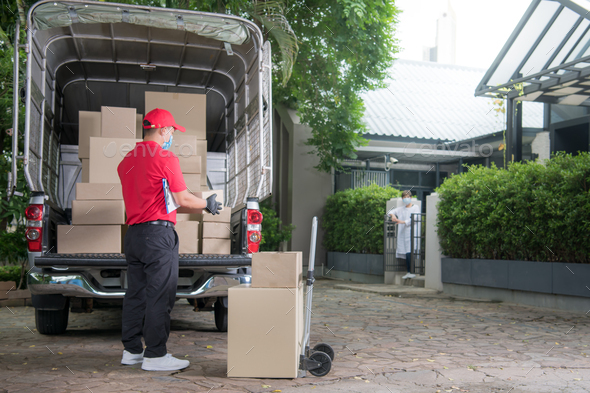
547, 57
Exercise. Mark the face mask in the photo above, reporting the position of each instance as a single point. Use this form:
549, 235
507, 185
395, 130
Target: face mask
167, 145
406, 201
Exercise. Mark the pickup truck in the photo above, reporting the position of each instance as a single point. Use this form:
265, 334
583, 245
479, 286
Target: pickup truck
82, 55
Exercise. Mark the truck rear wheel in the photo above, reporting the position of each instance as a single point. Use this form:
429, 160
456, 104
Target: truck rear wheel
221, 315
52, 321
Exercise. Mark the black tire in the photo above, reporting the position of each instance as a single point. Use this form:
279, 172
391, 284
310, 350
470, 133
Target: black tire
220, 315
52, 321
326, 362
325, 348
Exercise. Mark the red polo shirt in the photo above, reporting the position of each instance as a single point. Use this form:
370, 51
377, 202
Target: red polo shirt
141, 173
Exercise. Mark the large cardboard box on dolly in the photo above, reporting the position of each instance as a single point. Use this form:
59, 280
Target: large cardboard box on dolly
188, 236
277, 269
105, 156
82, 239
189, 110
94, 212
88, 126
265, 330
118, 122
98, 191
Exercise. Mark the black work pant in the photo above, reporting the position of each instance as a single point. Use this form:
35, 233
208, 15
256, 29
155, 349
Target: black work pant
152, 276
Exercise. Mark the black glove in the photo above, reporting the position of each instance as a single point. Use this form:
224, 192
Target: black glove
212, 205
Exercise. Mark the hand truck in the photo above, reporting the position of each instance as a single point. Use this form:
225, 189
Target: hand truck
318, 361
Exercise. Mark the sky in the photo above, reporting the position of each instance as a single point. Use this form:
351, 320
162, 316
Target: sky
483, 27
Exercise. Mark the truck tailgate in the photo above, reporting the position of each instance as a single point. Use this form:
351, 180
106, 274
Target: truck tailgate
118, 260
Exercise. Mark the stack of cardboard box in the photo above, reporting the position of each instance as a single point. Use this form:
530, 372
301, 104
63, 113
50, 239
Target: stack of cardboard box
98, 212
265, 318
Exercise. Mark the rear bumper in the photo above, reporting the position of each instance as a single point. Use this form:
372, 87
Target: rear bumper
77, 285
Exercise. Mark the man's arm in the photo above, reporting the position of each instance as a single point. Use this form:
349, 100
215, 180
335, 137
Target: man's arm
188, 200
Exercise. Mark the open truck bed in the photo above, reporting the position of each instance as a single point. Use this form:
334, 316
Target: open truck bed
82, 55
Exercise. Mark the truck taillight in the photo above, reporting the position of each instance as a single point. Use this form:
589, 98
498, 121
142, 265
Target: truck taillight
34, 212
254, 217
254, 228
34, 233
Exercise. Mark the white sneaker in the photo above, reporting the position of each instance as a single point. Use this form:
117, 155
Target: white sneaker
130, 358
410, 275
406, 276
165, 363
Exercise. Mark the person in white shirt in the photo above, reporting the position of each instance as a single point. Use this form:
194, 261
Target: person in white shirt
402, 216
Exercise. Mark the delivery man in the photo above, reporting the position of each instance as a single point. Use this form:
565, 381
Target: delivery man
151, 243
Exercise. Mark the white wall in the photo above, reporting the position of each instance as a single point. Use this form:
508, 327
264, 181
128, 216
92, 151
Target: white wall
541, 146
432, 263
309, 188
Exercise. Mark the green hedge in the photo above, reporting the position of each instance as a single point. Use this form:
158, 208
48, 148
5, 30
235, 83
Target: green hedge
353, 219
274, 232
12, 273
528, 212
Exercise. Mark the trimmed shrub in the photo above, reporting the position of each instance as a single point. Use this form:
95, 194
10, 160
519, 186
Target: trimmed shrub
529, 212
273, 230
12, 273
353, 219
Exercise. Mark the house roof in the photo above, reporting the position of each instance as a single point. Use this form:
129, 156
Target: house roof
547, 57
435, 101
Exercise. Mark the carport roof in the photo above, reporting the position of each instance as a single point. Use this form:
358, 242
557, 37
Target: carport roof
435, 101
548, 52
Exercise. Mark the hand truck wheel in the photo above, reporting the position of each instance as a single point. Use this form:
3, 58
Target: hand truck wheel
325, 348
326, 364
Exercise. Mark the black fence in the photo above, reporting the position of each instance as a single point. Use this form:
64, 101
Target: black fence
417, 245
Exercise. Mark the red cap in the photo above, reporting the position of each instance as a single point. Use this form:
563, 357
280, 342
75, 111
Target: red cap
159, 118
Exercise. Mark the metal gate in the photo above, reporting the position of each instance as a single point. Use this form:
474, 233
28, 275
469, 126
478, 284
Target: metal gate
391, 263
417, 244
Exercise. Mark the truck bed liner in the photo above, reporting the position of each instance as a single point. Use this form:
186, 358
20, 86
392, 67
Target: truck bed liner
118, 260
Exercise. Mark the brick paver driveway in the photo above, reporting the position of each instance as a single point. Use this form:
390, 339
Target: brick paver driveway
383, 344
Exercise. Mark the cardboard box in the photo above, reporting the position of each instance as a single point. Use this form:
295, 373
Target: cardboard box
88, 126
105, 156
85, 170
98, 191
204, 194
188, 236
189, 110
19, 294
223, 216
118, 122
216, 246
82, 239
187, 217
265, 332
184, 145
202, 152
192, 181
139, 126
98, 212
190, 164
277, 269
215, 230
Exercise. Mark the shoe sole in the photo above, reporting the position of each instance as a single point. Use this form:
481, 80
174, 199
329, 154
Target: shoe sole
132, 363
164, 369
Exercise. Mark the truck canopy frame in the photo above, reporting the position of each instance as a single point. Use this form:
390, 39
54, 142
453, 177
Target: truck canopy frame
84, 54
